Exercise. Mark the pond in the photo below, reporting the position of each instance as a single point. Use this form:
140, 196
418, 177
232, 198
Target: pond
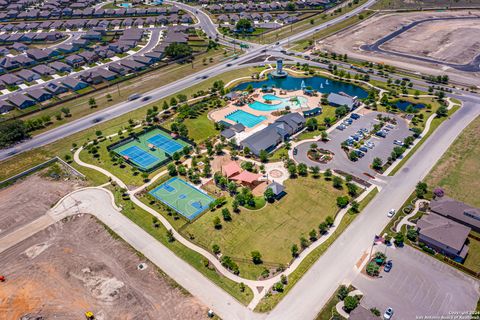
320, 84
403, 105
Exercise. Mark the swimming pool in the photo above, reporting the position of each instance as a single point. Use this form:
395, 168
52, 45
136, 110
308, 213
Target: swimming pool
125, 5
299, 102
247, 119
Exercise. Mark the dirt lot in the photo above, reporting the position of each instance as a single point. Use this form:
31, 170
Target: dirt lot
31, 197
75, 266
419, 4
350, 40
448, 37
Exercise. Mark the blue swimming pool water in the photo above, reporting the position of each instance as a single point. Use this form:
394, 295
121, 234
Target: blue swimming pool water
278, 103
318, 83
247, 119
125, 5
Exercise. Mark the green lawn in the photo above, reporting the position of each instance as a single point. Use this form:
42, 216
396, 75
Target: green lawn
473, 258
273, 229
200, 128
457, 171
144, 220
269, 302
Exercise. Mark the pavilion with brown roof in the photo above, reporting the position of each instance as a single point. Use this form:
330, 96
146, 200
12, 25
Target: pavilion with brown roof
230, 169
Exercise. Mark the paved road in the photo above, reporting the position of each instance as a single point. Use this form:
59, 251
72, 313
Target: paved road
156, 94
337, 264
418, 285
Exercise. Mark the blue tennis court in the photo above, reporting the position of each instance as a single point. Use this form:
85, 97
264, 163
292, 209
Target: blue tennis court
166, 144
183, 197
138, 156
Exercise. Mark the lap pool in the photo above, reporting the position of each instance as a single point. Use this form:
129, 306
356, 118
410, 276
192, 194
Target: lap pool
279, 103
247, 119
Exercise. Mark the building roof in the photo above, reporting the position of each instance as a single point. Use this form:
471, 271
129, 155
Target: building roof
228, 133
276, 187
341, 100
246, 176
361, 313
231, 169
443, 230
457, 210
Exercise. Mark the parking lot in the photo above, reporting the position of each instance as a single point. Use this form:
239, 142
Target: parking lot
380, 147
418, 286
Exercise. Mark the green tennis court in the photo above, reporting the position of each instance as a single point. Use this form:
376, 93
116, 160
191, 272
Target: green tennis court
150, 149
182, 197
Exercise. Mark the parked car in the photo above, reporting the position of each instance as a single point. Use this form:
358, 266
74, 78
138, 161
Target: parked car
381, 133
295, 150
348, 120
341, 127
355, 116
359, 153
364, 130
388, 314
363, 149
389, 126
388, 266
398, 143
391, 213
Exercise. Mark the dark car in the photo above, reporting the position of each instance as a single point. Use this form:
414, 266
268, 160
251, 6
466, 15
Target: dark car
388, 266
355, 116
295, 151
146, 98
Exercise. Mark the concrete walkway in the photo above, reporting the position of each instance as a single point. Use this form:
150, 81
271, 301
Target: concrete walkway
405, 221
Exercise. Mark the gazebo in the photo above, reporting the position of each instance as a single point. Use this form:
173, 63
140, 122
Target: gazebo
247, 177
230, 169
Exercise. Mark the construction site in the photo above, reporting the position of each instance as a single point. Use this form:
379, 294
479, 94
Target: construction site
77, 268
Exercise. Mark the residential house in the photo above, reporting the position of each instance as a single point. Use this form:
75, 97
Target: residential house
457, 211
75, 60
132, 65
89, 56
118, 68
40, 94
11, 79
55, 89
24, 60
38, 54
444, 236
21, 101
143, 59
60, 66
5, 106
21, 47
27, 75
73, 83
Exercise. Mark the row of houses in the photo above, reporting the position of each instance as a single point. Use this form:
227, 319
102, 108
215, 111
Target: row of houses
282, 18
30, 37
54, 13
77, 24
215, 7
447, 226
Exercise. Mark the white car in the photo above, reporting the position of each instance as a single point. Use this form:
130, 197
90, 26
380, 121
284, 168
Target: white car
388, 314
391, 213
398, 143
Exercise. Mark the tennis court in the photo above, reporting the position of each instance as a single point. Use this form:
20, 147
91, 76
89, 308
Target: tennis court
150, 149
182, 197
139, 157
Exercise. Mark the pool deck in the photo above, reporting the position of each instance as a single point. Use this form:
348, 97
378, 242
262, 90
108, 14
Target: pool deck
220, 114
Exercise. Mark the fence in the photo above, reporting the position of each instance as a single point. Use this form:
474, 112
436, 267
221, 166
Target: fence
11, 180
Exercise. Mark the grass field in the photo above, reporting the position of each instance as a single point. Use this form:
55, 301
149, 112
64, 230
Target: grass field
273, 229
473, 258
269, 302
144, 220
457, 170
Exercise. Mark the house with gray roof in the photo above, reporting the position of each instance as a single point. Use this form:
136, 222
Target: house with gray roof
274, 134
60, 66
457, 211
5, 106
21, 101
43, 70
277, 189
55, 88
337, 100
27, 75
40, 94
11, 79
73, 83
444, 236
74, 60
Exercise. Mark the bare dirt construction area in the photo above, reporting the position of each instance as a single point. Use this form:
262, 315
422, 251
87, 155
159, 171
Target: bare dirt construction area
426, 37
440, 40
30, 197
75, 266
426, 4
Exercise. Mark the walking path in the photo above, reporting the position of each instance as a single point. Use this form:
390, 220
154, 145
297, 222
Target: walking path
340, 304
405, 221
259, 287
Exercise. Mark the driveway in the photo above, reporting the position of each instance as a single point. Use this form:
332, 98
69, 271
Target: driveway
417, 286
383, 146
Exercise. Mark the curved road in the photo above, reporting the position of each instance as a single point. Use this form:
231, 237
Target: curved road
162, 92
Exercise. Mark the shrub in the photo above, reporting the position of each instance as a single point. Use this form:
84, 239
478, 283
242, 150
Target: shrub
350, 303
278, 287
373, 269
256, 257
342, 292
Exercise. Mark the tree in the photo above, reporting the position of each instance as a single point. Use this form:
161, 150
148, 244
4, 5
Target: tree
263, 156
12, 132
294, 250
342, 292
269, 195
412, 234
217, 224
226, 214
323, 227
328, 174
313, 235
354, 206
311, 124
377, 163
304, 242
302, 169
170, 237
216, 248
342, 202
256, 257
399, 239
372, 269
352, 189
421, 189
235, 205
283, 279
172, 169
109, 97
92, 103
244, 25
337, 182
353, 156
292, 170
315, 171
350, 303
329, 220
178, 50
324, 135
279, 287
